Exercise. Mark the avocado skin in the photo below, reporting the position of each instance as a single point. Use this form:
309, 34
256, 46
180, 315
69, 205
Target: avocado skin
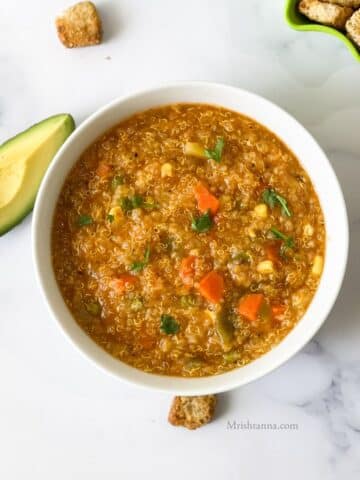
67, 126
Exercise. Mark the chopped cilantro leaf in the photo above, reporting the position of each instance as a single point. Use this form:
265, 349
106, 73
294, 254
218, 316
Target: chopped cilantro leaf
140, 265
271, 198
203, 223
216, 154
288, 241
137, 201
126, 204
168, 324
84, 220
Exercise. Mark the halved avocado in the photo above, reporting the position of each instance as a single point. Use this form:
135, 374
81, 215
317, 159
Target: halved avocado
23, 163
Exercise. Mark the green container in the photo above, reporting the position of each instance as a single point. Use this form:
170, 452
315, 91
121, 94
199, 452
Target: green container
299, 22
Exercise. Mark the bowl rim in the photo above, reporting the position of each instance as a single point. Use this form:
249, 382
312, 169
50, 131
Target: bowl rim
304, 24
180, 385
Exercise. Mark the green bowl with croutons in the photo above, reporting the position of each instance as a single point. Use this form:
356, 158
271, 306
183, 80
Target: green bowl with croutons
299, 22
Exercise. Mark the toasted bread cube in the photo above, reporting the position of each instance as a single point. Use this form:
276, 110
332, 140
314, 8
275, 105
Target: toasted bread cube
79, 26
345, 3
353, 28
192, 412
325, 13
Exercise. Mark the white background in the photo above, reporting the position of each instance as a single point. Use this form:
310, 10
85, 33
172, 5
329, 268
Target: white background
60, 417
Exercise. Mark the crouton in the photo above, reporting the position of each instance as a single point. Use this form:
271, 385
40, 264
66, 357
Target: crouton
79, 26
345, 3
192, 412
326, 13
353, 28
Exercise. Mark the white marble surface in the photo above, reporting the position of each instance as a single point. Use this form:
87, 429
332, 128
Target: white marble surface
61, 418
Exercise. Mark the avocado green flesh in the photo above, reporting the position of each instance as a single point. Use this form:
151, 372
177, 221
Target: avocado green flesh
23, 163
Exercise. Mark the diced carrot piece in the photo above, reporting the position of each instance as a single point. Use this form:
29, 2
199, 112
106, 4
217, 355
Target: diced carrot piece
278, 310
272, 251
212, 287
122, 282
205, 200
187, 269
146, 342
249, 306
103, 170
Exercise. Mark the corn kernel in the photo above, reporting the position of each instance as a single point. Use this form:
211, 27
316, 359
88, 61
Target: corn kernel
261, 210
317, 265
116, 213
308, 230
194, 149
266, 266
166, 170
251, 232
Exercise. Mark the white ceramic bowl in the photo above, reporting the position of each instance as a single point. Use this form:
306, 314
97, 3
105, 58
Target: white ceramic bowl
300, 142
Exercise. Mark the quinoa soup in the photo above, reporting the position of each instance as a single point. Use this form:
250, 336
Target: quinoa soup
188, 240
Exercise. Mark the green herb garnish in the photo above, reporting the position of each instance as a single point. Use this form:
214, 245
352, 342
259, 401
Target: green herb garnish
137, 201
139, 266
168, 324
130, 203
110, 218
288, 241
116, 181
126, 204
203, 223
271, 198
84, 220
216, 154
